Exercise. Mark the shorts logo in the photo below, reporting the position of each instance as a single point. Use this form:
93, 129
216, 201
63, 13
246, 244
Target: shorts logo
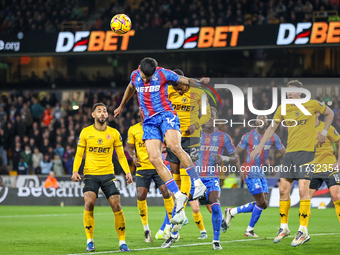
184, 100
100, 141
297, 114
215, 138
207, 140
108, 137
257, 186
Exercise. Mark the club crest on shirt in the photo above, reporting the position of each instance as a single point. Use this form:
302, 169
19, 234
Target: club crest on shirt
297, 113
108, 137
184, 100
100, 141
207, 140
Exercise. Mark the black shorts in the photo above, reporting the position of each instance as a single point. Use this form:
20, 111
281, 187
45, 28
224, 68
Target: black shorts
144, 177
107, 183
298, 165
332, 179
190, 145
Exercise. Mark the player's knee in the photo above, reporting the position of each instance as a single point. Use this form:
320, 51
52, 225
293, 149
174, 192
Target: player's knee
116, 208
141, 197
283, 192
195, 209
175, 148
154, 160
89, 206
335, 196
303, 192
263, 204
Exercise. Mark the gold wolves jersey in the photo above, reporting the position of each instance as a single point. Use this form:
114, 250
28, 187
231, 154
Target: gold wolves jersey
300, 137
135, 135
324, 157
99, 146
188, 108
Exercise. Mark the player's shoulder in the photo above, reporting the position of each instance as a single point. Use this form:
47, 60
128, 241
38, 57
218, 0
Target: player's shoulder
88, 129
221, 133
246, 135
171, 89
313, 102
135, 127
134, 74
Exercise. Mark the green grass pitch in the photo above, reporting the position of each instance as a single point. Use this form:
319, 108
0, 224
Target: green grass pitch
59, 230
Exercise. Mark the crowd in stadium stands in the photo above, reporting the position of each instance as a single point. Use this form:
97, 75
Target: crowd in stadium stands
39, 16
37, 135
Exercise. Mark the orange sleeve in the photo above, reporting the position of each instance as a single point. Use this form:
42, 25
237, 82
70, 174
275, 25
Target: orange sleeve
55, 183
47, 184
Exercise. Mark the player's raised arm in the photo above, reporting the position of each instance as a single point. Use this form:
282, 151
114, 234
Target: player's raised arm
78, 157
329, 119
192, 82
130, 90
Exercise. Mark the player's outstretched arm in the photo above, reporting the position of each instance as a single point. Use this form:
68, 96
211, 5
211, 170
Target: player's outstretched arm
329, 119
76, 164
130, 90
283, 151
267, 135
192, 82
123, 162
132, 153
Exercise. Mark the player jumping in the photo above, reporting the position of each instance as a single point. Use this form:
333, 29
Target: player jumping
99, 141
326, 166
298, 162
252, 174
144, 175
160, 119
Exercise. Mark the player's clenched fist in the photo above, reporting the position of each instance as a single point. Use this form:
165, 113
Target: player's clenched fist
75, 177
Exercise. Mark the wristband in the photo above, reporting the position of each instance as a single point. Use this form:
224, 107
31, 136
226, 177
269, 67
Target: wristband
225, 158
324, 132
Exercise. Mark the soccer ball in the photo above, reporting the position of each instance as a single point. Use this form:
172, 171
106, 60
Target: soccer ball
120, 24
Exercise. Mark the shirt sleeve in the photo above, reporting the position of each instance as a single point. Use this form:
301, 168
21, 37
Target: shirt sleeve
228, 144
278, 117
333, 135
131, 137
82, 139
170, 75
319, 106
244, 141
80, 151
118, 139
277, 142
133, 77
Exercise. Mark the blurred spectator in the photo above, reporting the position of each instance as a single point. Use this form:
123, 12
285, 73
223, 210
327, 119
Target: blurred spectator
47, 115
27, 156
37, 110
69, 164
3, 168
59, 150
57, 112
46, 165
58, 165
3, 146
23, 167
37, 157
16, 155
51, 181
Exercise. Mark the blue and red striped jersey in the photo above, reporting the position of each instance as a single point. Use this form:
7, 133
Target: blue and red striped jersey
214, 143
153, 96
249, 142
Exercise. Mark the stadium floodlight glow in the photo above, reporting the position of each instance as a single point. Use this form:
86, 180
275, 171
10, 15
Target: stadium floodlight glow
75, 107
238, 100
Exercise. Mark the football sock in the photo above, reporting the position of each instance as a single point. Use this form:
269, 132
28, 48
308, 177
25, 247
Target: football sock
120, 225
169, 206
177, 179
255, 215
337, 208
198, 220
165, 222
172, 186
304, 213
243, 208
88, 224
216, 219
284, 213
143, 211
185, 182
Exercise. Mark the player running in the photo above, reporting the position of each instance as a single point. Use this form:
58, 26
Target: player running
160, 119
144, 175
298, 162
252, 174
326, 166
99, 141
186, 101
213, 144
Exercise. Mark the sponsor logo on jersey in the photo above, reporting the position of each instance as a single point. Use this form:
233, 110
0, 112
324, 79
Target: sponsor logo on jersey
99, 150
185, 108
148, 89
209, 148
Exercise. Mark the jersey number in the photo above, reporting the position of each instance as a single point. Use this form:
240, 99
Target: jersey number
194, 152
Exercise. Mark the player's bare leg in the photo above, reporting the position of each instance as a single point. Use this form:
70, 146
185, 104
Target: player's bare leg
114, 202
143, 212
90, 199
285, 187
153, 147
214, 200
173, 141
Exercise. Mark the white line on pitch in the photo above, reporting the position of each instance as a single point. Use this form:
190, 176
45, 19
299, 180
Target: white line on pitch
196, 244
53, 215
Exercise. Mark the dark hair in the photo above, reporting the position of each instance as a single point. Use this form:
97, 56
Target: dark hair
179, 72
148, 66
96, 105
215, 110
295, 83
